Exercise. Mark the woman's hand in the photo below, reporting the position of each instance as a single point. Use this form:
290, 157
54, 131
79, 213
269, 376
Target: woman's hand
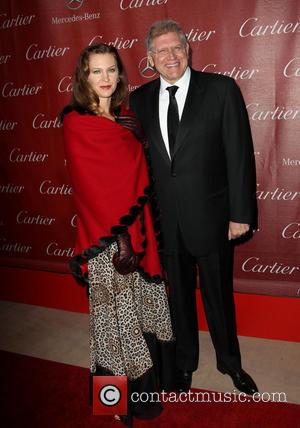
125, 260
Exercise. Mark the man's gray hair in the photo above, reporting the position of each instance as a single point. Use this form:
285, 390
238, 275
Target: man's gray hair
163, 27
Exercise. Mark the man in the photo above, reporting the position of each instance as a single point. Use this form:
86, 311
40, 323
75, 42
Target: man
203, 165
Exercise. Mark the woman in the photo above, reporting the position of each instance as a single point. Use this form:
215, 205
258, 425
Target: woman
130, 329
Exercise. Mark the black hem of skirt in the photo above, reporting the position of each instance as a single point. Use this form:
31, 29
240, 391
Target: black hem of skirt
160, 377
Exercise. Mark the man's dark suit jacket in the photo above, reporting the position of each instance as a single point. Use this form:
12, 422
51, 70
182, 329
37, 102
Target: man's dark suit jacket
211, 178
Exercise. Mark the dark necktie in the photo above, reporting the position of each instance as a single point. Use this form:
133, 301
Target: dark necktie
172, 118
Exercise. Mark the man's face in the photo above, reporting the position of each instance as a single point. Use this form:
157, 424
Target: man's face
169, 56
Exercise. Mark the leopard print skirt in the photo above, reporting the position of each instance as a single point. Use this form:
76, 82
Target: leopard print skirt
122, 309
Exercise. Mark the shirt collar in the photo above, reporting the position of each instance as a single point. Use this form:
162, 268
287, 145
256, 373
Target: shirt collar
183, 82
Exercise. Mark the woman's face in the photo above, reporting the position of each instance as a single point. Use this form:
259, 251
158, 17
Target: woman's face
104, 74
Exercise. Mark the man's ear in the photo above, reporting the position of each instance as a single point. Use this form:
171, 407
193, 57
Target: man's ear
150, 59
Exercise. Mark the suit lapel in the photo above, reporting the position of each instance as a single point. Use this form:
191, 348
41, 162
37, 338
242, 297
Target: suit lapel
156, 135
192, 102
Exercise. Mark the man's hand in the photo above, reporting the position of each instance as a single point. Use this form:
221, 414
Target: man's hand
237, 229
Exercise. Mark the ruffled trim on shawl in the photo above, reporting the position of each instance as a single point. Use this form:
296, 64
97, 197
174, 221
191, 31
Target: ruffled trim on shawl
125, 221
128, 122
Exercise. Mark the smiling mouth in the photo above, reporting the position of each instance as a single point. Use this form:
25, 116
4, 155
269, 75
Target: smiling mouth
105, 87
172, 65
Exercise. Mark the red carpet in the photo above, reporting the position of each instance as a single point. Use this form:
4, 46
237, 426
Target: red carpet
43, 394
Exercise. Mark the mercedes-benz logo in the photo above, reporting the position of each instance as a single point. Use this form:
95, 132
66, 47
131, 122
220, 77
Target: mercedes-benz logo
74, 4
145, 68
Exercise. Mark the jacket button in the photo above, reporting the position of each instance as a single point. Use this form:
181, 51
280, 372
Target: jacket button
173, 174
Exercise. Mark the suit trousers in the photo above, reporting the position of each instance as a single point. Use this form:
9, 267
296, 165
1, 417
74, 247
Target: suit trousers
216, 285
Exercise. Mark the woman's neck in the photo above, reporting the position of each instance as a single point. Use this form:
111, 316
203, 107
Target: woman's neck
104, 106
103, 109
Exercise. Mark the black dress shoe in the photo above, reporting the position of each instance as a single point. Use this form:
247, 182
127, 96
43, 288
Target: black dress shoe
242, 380
183, 380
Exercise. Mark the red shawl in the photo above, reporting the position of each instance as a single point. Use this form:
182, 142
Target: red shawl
109, 176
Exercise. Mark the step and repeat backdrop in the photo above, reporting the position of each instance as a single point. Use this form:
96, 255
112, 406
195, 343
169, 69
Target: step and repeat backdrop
256, 42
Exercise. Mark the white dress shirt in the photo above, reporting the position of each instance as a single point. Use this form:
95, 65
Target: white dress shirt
181, 93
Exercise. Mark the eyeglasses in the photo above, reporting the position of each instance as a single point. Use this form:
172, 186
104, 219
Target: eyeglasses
175, 50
